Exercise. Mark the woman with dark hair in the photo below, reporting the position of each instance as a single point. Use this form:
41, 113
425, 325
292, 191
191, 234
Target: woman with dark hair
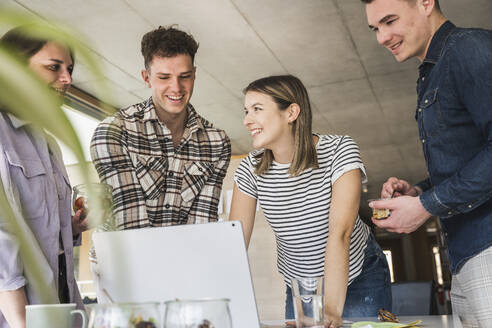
308, 186
37, 186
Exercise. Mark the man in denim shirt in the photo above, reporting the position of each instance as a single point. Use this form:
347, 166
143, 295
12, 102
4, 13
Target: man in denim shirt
454, 116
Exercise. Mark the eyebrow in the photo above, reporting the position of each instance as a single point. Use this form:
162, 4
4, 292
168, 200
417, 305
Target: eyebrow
255, 104
188, 72
384, 20
57, 60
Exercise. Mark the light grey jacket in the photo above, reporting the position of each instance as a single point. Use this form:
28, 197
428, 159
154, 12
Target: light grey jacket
37, 186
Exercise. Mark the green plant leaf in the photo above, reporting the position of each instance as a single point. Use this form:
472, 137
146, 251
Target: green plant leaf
32, 257
23, 94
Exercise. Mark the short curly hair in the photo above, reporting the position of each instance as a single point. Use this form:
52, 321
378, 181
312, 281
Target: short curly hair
167, 41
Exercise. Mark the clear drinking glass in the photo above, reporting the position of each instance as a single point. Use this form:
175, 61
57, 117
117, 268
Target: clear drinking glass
125, 315
95, 197
98, 199
202, 313
307, 296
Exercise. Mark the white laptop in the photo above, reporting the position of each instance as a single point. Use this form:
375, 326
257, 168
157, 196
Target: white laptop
185, 262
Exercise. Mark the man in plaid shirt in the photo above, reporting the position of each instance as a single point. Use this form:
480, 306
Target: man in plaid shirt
165, 162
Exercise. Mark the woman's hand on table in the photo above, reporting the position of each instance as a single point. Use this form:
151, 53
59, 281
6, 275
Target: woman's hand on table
332, 320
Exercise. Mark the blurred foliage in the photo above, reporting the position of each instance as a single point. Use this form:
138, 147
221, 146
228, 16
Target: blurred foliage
24, 95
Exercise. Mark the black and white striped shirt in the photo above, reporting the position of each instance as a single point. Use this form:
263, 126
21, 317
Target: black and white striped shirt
297, 208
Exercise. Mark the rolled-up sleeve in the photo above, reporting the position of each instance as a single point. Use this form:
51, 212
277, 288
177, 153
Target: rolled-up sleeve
11, 271
11, 268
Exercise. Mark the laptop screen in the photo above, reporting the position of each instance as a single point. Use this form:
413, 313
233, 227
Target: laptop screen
184, 262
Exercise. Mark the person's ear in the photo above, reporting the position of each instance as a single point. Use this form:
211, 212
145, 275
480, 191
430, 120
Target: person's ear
145, 77
294, 110
426, 6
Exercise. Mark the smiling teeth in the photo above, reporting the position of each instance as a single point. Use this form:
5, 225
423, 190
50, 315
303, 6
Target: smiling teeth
175, 97
395, 46
255, 131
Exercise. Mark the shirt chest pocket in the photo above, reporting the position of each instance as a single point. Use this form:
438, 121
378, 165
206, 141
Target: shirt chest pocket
151, 172
195, 176
62, 184
30, 179
430, 112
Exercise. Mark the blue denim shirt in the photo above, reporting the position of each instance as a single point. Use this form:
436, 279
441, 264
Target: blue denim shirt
454, 115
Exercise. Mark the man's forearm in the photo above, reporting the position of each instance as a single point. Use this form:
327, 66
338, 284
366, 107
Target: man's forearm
13, 306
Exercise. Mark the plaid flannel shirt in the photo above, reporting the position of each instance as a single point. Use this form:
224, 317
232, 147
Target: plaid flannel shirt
154, 183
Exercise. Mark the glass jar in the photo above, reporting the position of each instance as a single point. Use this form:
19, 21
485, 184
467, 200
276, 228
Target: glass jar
125, 315
201, 313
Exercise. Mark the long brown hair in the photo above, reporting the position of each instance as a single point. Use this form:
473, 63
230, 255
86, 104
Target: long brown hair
286, 90
21, 44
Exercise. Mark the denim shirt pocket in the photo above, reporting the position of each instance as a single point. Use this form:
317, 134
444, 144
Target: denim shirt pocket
29, 176
151, 172
195, 176
431, 118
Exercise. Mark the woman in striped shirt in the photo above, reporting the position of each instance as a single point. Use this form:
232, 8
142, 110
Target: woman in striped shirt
308, 186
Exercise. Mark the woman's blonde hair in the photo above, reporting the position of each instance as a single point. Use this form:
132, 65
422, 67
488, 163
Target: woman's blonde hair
286, 90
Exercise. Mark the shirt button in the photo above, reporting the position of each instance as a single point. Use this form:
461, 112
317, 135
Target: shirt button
426, 101
200, 169
420, 109
469, 206
450, 212
167, 206
423, 140
171, 174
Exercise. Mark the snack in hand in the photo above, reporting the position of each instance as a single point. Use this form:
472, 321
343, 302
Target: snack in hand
380, 213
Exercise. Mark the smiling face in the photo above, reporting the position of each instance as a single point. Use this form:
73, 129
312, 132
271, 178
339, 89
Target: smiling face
171, 80
268, 125
53, 64
401, 26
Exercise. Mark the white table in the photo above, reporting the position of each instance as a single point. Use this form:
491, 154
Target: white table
428, 321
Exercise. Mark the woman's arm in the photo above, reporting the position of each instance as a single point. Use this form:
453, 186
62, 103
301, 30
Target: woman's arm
243, 208
13, 307
345, 199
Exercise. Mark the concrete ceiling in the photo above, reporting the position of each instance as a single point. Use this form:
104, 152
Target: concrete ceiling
356, 87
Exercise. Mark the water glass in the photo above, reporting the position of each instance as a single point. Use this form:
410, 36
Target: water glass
98, 199
201, 313
307, 296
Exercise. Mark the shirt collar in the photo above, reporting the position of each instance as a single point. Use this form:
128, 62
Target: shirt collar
17, 122
438, 41
149, 113
193, 121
